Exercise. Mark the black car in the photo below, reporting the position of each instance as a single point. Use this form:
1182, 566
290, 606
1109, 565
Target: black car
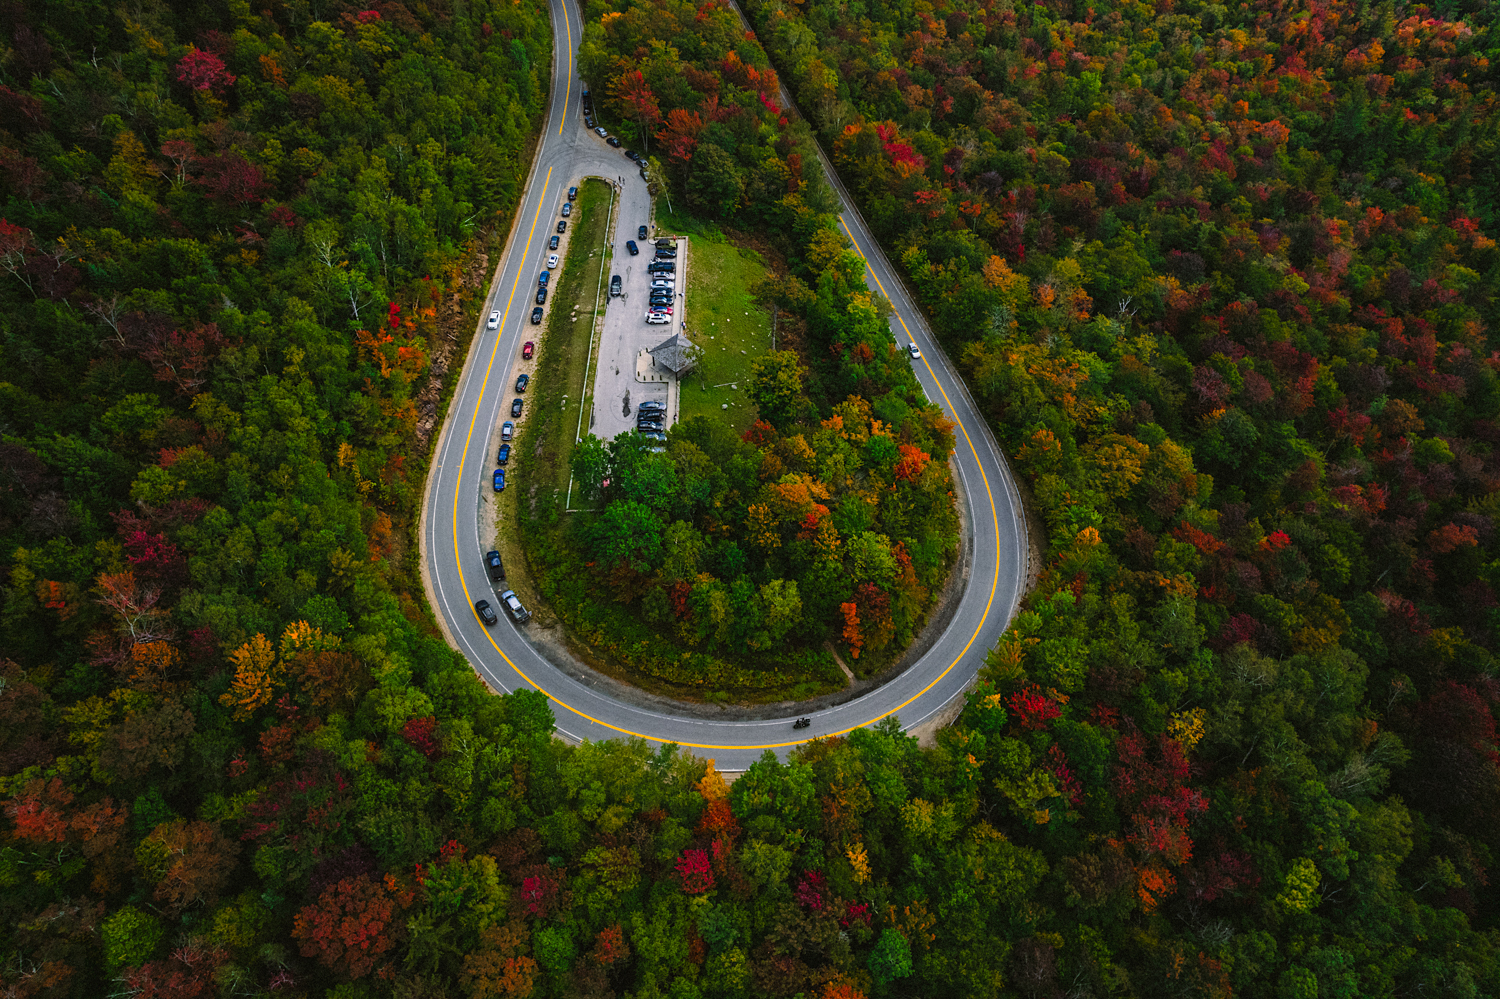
661, 267
588, 120
634, 250
552, 243
651, 404
613, 141
614, 287
662, 254
494, 566
486, 613
536, 316
522, 380
503, 455
562, 226
660, 300
640, 233
649, 425
666, 243
515, 407
572, 194
541, 295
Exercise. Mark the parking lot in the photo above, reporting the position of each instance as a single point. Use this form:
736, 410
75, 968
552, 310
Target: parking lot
626, 375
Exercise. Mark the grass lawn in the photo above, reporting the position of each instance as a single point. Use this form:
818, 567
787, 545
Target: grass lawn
544, 443
723, 320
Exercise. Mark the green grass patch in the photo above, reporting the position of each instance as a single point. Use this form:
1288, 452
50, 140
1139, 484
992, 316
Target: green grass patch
561, 382
723, 319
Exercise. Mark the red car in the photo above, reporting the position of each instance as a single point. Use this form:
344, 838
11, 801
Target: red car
527, 349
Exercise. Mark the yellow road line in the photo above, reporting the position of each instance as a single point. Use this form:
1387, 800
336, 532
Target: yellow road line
568, 93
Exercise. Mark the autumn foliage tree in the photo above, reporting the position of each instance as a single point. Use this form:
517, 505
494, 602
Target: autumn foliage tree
349, 927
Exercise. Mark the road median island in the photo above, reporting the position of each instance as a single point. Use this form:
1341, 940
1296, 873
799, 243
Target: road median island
531, 510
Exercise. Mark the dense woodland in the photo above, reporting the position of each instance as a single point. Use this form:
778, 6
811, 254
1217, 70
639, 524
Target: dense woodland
1223, 278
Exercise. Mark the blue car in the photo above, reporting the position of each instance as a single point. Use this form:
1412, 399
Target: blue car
630, 245
504, 454
499, 480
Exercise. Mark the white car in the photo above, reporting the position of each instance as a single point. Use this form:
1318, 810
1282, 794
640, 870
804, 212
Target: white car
657, 319
911, 349
551, 261
494, 322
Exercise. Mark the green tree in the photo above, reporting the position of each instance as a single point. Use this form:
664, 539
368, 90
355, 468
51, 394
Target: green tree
776, 387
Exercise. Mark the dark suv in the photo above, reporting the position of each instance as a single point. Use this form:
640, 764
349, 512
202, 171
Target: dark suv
494, 566
640, 233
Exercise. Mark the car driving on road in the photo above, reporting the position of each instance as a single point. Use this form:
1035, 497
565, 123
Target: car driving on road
486, 613
494, 322
911, 348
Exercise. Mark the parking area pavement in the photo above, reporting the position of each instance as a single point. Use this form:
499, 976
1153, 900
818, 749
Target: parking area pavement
627, 376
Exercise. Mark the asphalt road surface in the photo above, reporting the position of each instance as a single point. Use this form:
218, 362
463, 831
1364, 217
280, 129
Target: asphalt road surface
458, 485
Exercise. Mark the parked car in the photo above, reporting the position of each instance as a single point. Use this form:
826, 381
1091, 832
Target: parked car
545, 277
572, 194
911, 349
536, 316
494, 322
552, 243
661, 267
503, 455
662, 298
634, 250
522, 380
601, 132
486, 613
512, 604
666, 243
507, 431
614, 287
499, 479
551, 261
613, 141
527, 349
645, 424
657, 319
640, 233
660, 310
541, 295
562, 226
631, 154
567, 209
651, 404
515, 407
494, 566
666, 253
655, 435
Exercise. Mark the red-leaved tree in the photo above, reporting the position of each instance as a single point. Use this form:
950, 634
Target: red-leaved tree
348, 927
